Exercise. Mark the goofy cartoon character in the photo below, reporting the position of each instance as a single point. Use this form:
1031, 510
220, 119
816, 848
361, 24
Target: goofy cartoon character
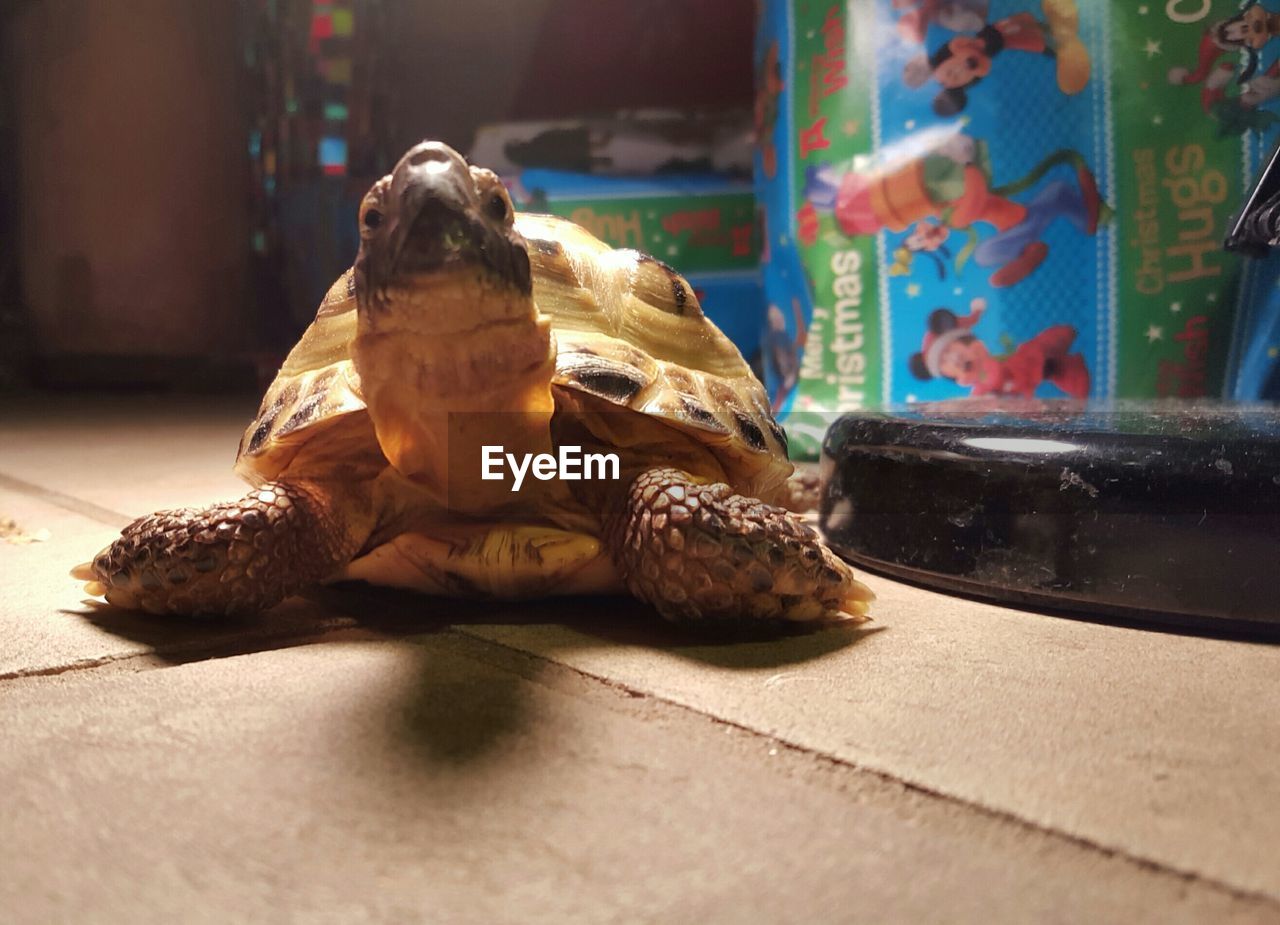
950, 350
963, 61
949, 189
1248, 31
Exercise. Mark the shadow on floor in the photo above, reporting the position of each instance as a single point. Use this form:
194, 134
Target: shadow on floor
460, 711
616, 621
460, 707
181, 640
612, 621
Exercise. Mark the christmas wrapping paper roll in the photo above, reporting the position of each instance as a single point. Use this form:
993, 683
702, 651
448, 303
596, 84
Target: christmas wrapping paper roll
1006, 197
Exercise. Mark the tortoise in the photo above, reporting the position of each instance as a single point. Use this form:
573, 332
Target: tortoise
465, 332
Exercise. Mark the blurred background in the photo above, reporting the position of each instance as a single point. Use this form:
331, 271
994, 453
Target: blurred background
180, 177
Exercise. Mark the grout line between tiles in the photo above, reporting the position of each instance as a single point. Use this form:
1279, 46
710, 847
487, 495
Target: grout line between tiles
66, 502
1161, 867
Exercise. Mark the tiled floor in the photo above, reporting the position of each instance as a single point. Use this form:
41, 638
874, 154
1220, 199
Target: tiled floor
362, 755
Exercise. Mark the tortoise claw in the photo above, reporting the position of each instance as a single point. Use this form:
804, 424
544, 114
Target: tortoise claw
238, 557
703, 553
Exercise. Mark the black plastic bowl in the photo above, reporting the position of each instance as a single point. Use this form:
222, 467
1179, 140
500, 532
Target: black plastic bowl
1155, 513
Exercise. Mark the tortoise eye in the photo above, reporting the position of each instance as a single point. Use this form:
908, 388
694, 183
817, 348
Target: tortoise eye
496, 207
372, 218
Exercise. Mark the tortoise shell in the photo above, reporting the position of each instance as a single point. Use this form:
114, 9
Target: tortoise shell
630, 334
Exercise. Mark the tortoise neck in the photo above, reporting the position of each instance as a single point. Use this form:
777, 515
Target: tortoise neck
447, 375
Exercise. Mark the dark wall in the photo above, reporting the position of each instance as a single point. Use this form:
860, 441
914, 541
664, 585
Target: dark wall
460, 65
15, 346
450, 66
131, 158
130, 146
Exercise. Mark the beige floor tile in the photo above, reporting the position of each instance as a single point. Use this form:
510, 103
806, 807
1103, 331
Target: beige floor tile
393, 777
1155, 744
436, 781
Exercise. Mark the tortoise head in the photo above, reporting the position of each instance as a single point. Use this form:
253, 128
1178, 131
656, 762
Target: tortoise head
447, 331
436, 219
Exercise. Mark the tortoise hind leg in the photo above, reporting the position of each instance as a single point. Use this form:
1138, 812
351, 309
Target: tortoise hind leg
701, 552
236, 557
803, 492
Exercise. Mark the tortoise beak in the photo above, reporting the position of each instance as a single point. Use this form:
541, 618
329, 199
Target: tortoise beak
431, 175
435, 221
432, 207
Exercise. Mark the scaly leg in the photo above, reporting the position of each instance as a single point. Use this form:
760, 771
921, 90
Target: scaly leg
804, 491
237, 557
700, 552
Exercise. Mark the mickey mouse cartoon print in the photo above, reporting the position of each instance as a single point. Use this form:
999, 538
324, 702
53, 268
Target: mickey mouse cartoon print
965, 60
950, 350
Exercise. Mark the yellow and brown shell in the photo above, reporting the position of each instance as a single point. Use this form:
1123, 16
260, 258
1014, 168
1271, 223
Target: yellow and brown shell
629, 333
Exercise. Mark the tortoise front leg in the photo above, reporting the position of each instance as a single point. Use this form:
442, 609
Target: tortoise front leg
701, 552
237, 557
